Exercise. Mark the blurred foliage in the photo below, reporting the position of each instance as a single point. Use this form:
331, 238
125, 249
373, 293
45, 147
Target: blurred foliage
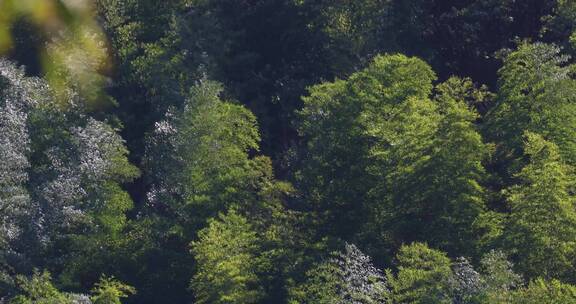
73, 53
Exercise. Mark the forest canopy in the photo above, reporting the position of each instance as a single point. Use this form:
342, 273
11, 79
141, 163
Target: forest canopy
287, 151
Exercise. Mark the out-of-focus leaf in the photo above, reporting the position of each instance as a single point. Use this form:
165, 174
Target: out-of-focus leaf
76, 56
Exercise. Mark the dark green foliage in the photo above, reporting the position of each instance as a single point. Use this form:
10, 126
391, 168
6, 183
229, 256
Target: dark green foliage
198, 164
431, 159
379, 148
542, 224
154, 68
379, 113
61, 191
536, 93
199, 161
340, 122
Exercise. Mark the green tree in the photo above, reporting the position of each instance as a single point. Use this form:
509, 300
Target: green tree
321, 286
340, 123
160, 49
63, 174
15, 201
430, 157
347, 277
381, 153
426, 275
535, 94
541, 291
199, 159
77, 169
228, 256
499, 279
542, 226
38, 289
422, 276
110, 291
199, 163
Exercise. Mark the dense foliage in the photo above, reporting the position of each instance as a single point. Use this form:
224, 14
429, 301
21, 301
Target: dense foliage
287, 151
